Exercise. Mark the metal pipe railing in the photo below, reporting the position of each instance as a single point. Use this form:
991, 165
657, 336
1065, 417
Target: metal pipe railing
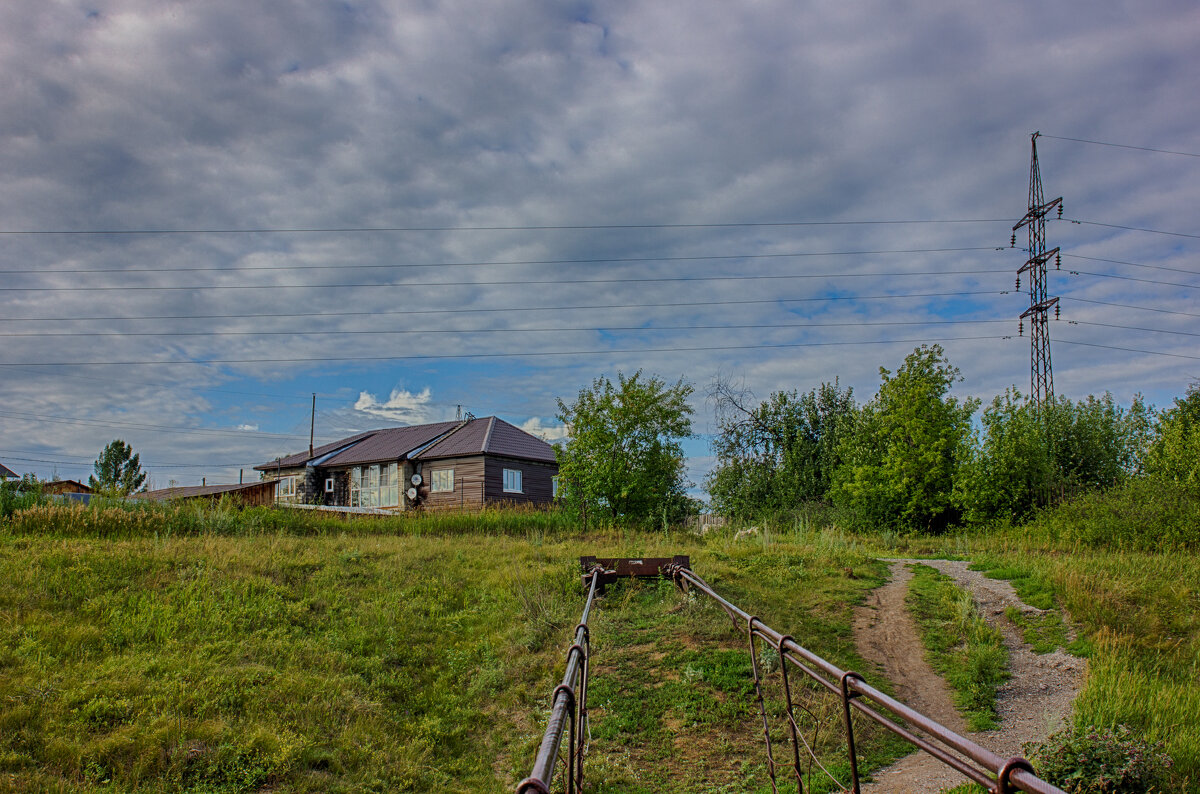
979, 764
568, 711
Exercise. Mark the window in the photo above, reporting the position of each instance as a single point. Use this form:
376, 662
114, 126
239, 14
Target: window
512, 481
441, 480
328, 485
374, 486
554, 486
285, 490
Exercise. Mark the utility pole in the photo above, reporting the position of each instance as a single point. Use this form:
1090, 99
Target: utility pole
312, 425
1041, 376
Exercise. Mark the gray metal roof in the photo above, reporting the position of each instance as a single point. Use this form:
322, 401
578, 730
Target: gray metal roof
7, 472
491, 436
424, 442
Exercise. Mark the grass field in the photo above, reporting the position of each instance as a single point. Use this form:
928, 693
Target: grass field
289, 660
155, 650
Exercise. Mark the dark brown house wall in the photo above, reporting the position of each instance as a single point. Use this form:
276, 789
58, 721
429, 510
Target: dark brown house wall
536, 481
468, 484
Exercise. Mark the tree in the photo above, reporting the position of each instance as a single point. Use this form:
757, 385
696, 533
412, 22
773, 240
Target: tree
1175, 451
900, 458
118, 470
623, 454
778, 454
1029, 456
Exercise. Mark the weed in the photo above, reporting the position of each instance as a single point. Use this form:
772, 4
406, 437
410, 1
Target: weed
960, 645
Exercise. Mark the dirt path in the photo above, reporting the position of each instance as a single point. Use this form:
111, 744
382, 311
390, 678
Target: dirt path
1031, 705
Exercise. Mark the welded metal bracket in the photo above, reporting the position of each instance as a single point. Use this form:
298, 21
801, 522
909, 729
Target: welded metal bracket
614, 568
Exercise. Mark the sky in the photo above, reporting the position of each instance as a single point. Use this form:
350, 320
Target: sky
211, 211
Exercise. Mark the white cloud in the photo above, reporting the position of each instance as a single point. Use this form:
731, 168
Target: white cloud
400, 406
247, 427
549, 433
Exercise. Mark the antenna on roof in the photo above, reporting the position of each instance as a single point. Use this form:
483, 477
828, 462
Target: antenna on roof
458, 414
470, 416
312, 425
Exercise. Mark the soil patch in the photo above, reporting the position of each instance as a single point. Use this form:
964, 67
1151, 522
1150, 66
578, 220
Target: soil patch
1034, 702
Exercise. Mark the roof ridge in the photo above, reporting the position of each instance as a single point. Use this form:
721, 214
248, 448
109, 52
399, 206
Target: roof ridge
487, 437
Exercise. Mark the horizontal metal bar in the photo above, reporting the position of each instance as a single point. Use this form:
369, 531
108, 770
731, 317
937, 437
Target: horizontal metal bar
991, 764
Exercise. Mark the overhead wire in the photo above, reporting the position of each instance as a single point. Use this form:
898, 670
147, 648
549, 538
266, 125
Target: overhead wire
509, 283
592, 261
558, 329
477, 310
1118, 145
454, 356
546, 227
256, 434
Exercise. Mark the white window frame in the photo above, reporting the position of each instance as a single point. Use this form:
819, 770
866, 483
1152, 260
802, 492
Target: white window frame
554, 487
441, 481
328, 485
285, 489
513, 481
376, 485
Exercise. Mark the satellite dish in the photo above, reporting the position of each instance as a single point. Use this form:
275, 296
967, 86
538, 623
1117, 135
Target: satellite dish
416, 479
412, 494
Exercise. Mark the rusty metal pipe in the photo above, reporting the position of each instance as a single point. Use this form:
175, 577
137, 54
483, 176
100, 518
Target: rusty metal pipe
1018, 775
563, 707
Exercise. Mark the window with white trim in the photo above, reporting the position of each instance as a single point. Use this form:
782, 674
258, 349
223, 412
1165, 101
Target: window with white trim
285, 490
328, 485
441, 481
554, 486
512, 481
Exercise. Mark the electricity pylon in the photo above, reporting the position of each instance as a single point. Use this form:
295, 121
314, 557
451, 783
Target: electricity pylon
1041, 376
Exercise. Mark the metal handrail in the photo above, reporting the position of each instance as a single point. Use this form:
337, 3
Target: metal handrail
568, 711
981, 765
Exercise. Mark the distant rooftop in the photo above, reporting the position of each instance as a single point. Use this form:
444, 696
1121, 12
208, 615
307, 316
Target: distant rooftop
488, 434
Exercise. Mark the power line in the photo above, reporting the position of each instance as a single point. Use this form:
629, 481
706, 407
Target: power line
89, 461
1139, 280
610, 260
1129, 349
1120, 145
454, 356
139, 426
1133, 328
473, 310
1131, 228
509, 283
1133, 264
1130, 306
597, 329
562, 227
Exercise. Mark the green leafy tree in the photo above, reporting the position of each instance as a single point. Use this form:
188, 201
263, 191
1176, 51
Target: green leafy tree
1026, 456
1174, 453
900, 458
118, 470
623, 455
779, 453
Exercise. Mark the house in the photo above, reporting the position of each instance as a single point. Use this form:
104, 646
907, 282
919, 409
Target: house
251, 494
65, 487
7, 473
462, 464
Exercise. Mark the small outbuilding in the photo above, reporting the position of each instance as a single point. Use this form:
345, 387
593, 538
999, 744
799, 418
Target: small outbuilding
251, 494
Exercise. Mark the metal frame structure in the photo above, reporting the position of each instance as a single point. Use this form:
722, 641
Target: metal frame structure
568, 703
1041, 375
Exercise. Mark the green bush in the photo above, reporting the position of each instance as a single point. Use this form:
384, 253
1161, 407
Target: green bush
1091, 760
1141, 515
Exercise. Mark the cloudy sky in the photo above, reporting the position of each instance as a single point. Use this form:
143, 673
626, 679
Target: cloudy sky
211, 210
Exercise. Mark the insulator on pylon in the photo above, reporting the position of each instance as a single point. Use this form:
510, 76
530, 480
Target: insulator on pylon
1058, 261
1018, 282
1013, 242
1021, 328
1060, 210
1057, 312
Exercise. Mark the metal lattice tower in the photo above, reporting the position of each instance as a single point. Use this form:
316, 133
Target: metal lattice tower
1041, 376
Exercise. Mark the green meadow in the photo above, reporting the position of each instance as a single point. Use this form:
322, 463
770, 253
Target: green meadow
177, 649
